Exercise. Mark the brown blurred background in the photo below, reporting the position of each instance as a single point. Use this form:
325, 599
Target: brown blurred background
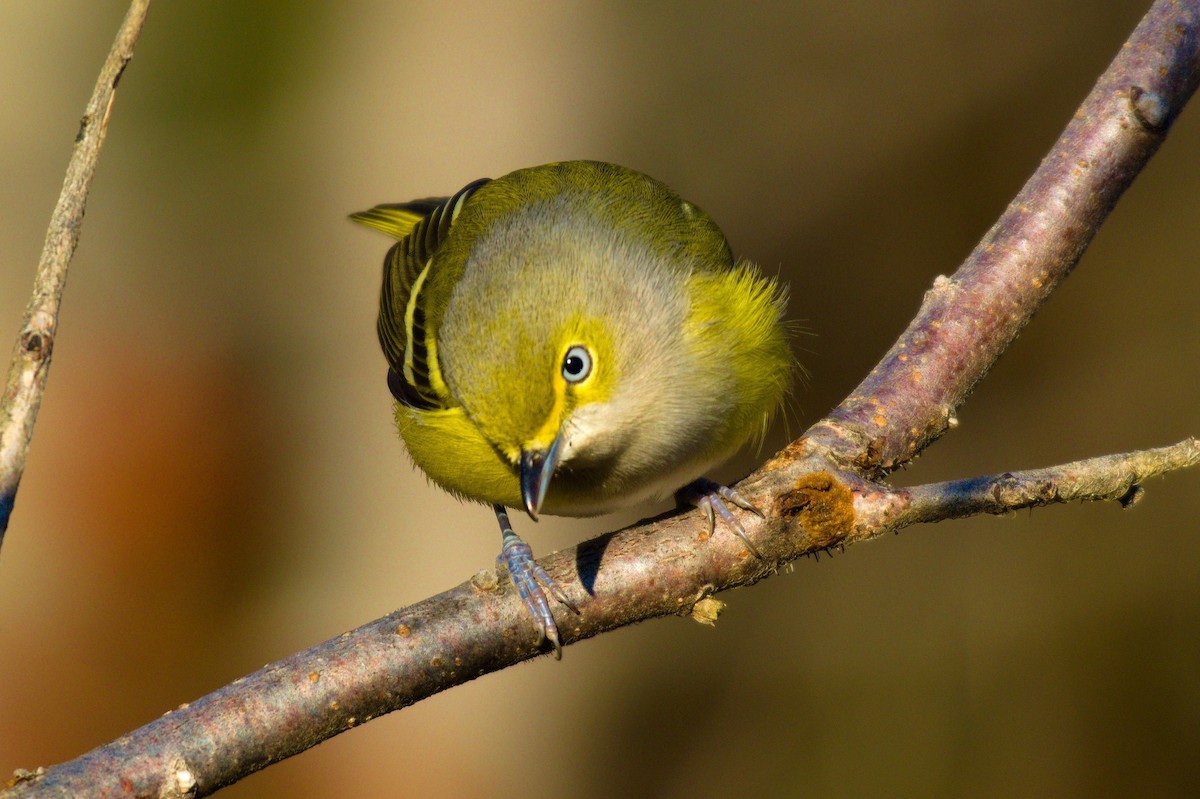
215, 482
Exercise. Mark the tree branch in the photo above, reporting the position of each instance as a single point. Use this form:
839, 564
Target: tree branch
1112, 477
909, 399
35, 343
822, 490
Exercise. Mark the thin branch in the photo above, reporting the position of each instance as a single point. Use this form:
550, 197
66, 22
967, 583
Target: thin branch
35, 343
1117, 478
821, 491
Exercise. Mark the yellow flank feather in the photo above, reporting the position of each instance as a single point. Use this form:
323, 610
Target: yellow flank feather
735, 328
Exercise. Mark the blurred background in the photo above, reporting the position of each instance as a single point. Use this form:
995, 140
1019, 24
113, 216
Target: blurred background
215, 481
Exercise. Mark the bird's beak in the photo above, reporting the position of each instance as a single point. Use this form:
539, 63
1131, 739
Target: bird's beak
537, 467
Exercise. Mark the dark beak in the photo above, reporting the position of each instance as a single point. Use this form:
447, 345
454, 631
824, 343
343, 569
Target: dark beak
537, 467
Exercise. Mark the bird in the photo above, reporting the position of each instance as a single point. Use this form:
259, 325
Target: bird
571, 339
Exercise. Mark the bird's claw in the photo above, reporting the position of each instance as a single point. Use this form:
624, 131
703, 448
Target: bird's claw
529, 579
711, 498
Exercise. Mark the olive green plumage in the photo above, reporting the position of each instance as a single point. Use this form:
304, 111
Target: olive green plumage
489, 294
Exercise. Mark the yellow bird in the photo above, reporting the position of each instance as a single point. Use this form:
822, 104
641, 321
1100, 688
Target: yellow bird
574, 338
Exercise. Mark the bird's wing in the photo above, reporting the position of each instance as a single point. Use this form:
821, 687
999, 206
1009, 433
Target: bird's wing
421, 226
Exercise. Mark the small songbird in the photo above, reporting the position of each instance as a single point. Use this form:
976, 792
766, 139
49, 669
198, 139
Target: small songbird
571, 339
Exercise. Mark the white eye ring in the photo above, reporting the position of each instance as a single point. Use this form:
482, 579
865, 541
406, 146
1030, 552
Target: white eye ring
577, 364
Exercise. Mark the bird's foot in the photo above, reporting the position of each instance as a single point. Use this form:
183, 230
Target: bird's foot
529, 578
711, 498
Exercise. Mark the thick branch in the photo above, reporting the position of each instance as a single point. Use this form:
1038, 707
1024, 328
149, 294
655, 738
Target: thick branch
815, 494
31, 357
653, 569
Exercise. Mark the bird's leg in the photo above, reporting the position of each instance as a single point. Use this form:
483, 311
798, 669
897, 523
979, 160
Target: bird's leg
529, 578
710, 497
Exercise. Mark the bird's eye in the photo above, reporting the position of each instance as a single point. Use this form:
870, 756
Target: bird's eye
577, 364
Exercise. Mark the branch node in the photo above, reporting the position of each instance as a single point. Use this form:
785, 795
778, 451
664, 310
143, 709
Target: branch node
870, 458
121, 70
486, 580
707, 610
1150, 109
941, 284
25, 775
1131, 497
825, 506
181, 782
36, 343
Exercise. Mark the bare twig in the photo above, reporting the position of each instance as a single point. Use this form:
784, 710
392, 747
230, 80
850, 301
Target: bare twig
821, 491
35, 344
1112, 477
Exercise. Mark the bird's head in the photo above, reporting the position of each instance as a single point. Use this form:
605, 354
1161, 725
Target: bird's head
540, 392
562, 336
